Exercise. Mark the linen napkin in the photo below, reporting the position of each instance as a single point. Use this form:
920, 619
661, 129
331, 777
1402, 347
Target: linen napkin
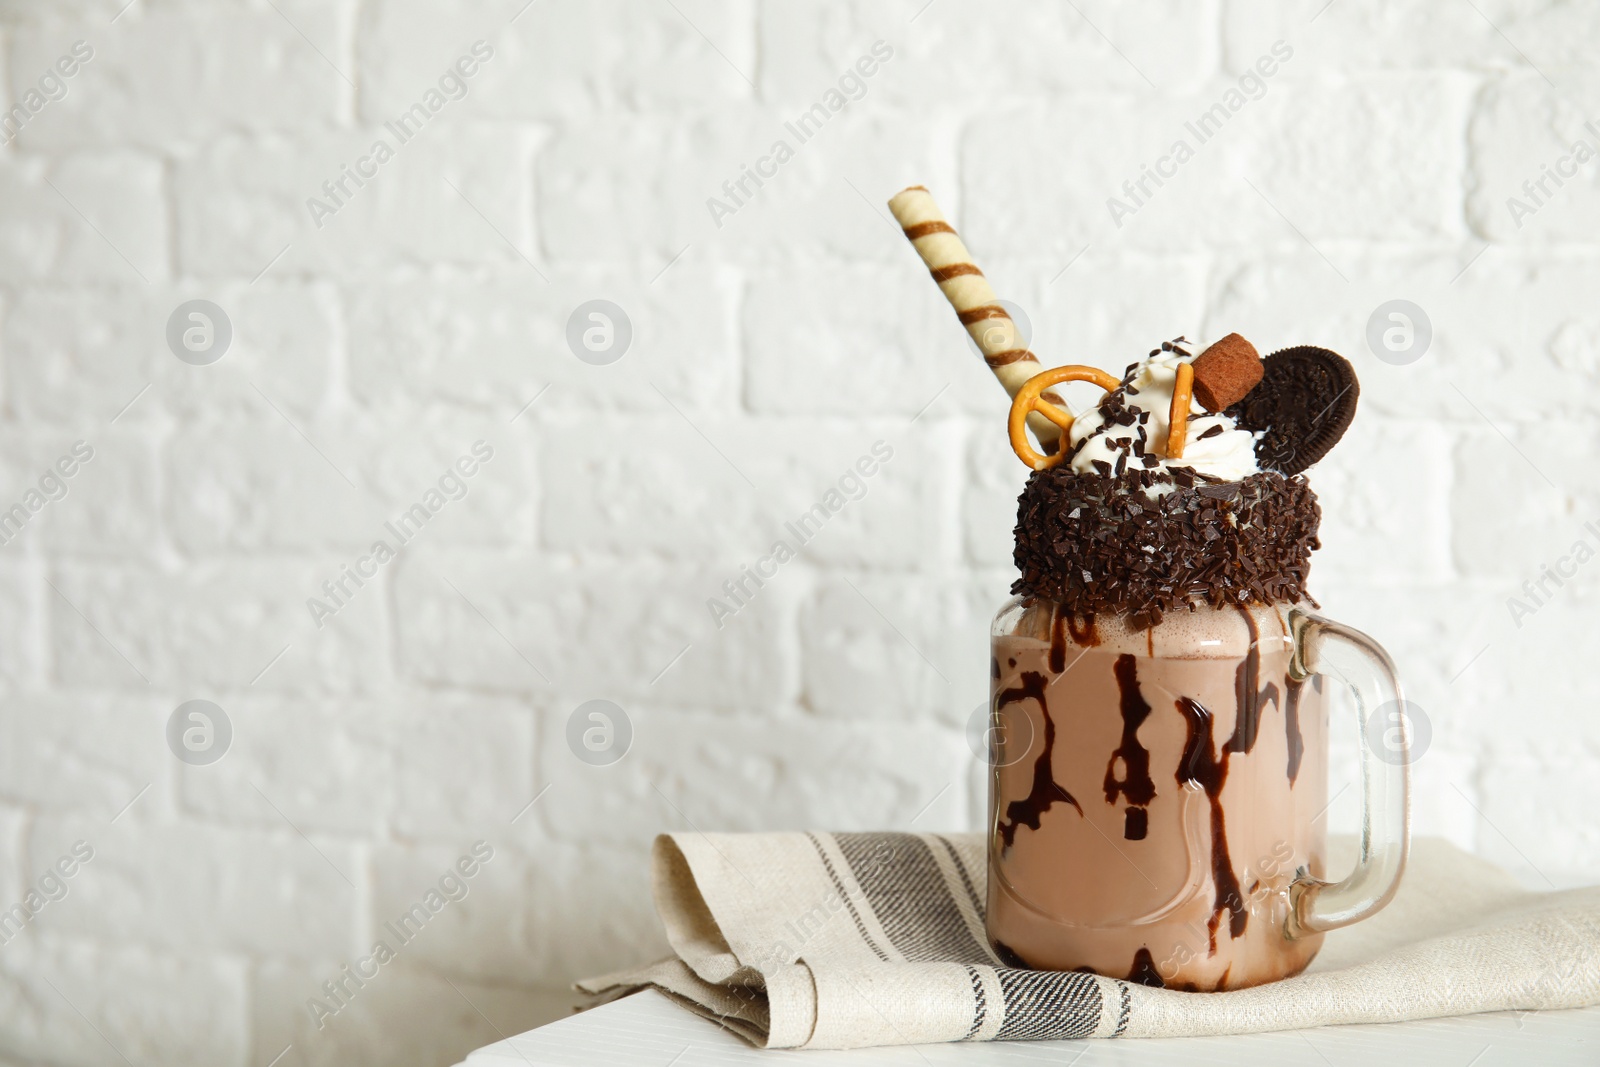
817, 940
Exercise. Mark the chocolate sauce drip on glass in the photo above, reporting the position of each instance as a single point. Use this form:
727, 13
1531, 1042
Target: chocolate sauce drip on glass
1087, 633
1253, 698
1250, 693
1008, 956
1135, 824
1058, 642
1201, 764
1144, 970
1030, 809
1291, 725
1136, 783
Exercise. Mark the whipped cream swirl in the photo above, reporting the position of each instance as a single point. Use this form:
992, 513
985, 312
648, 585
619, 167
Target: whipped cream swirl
1216, 446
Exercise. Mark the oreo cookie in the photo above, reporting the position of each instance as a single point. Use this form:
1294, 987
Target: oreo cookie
1303, 406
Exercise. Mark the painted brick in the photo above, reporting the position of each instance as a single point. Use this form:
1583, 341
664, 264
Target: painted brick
556, 62
616, 630
411, 341
49, 234
197, 888
106, 506
1545, 502
167, 77
243, 203
1531, 820
879, 649
1386, 503
275, 483
889, 486
949, 54
140, 1006
404, 1013
684, 771
210, 628
75, 351
357, 768
1368, 34
22, 649
84, 754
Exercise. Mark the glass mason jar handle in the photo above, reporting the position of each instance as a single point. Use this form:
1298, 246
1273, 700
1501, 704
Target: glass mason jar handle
1338, 652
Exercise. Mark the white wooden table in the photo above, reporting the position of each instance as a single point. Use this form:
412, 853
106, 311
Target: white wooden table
647, 1030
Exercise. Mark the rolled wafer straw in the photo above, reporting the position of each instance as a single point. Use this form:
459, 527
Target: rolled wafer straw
988, 323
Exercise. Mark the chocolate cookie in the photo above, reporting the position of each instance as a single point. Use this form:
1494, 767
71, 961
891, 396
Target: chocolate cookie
1304, 404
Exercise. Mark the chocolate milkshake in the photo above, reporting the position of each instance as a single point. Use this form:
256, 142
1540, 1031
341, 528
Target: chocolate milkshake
1159, 759
1167, 771
1157, 844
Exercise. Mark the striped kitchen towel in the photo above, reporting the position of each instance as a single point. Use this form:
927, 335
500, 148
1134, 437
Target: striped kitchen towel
815, 940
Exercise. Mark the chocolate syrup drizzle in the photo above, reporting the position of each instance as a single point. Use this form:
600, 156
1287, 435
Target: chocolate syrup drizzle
1058, 642
1030, 809
1144, 970
1202, 765
1291, 725
1136, 783
1008, 955
1250, 694
1135, 824
1087, 634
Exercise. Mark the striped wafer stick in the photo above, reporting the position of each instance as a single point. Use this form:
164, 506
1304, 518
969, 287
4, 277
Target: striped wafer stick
988, 323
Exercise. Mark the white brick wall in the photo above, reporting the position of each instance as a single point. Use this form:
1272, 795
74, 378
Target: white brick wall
768, 354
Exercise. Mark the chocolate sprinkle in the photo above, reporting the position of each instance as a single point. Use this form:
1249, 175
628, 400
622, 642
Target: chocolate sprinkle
1097, 544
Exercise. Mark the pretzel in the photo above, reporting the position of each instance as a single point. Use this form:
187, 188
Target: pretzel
1178, 418
1028, 401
